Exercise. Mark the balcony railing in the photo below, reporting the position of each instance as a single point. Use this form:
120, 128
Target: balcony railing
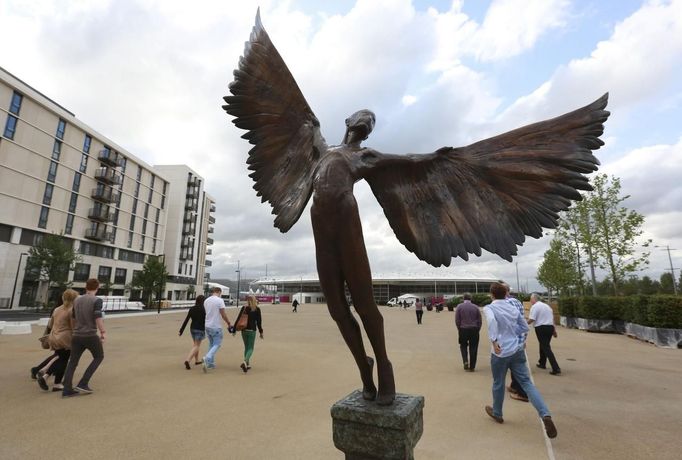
106, 194
110, 158
188, 217
211, 220
193, 182
209, 251
98, 234
192, 192
187, 254
212, 209
187, 242
209, 240
211, 229
190, 205
189, 229
208, 263
101, 213
108, 175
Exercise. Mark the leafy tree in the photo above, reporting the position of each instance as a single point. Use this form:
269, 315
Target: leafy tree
666, 281
50, 261
615, 231
557, 272
151, 279
647, 286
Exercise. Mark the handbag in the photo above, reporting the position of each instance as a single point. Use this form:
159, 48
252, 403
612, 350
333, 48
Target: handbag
44, 341
243, 320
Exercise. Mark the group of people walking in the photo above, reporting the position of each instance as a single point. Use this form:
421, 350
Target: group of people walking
72, 330
207, 316
508, 331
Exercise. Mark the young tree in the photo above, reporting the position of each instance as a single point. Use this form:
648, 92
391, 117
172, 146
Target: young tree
50, 260
616, 231
558, 272
151, 279
666, 282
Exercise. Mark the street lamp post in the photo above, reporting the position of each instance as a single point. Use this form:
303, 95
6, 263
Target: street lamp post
16, 279
672, 269
239, 276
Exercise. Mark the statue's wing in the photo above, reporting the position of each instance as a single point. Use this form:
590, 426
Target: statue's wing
491, 194
287, 144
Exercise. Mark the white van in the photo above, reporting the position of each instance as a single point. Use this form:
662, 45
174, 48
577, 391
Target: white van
409, 299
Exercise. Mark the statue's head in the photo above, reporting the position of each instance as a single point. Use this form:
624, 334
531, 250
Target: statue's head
359, 126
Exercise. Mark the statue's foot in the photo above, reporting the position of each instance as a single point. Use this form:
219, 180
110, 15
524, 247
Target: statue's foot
386, 394
369, 391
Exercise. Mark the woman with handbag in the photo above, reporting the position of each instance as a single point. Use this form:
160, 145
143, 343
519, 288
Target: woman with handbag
61, 329
197, 329
248, 319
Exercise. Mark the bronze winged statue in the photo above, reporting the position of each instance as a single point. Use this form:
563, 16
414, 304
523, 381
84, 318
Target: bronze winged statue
449, 203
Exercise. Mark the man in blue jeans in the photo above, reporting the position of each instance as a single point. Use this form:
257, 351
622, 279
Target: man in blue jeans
505, 324
215, 309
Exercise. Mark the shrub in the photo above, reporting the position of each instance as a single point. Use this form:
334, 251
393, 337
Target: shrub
481, 299
664, 311
600, 307
567, 306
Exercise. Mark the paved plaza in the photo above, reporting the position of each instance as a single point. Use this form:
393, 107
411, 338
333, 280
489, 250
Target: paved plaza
617, 398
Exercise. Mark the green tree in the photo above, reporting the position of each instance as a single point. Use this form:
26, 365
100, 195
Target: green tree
666, 283
615, 231
151, 279
558, 272
648, 286
50, 261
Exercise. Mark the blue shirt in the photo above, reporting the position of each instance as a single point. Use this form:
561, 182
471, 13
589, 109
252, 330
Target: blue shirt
519, 306
505, 325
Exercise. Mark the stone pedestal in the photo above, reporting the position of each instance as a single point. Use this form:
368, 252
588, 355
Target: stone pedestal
364, 430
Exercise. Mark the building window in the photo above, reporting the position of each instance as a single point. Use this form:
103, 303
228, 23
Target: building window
146, 210
86, 143
153, 246
156, 230
135, 205
151, 195
112, 238
61, 126
130, 240
144, 227
73, 202
52, 172
190, 270
42, 221
104, 274
180, 269
84, 163
137, 189
10, 127
132, 223
158, 214
124, 163
163, 197
69, 224
56, 150
142, 243
76, 182
139, 173
47, 196
81, 272
116, 213
120, 276
15, 105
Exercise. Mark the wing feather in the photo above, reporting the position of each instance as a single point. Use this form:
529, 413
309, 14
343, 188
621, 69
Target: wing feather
267, 103
491, 194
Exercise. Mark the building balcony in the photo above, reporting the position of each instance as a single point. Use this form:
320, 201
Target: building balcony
110, 158
212, 209
105, 194
101, 213
211, 220
98, 233
209, 241
209, 251
188, 217
191, 205
211, 230
187, 242
193, 181
108, 175
187, 254
208, 263
192, 192
189, 229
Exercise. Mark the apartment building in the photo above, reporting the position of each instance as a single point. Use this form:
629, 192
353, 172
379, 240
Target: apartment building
58, 175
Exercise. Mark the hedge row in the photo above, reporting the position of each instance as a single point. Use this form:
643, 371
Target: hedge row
478, 299
664, 311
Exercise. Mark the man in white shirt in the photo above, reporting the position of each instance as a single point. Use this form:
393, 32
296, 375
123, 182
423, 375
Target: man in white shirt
215, 309
505, 324
542, 317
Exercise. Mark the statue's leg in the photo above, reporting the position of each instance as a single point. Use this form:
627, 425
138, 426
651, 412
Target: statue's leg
359, 278
332, 285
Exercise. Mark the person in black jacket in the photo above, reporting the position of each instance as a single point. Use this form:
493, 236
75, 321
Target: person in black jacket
249, 332
197, 329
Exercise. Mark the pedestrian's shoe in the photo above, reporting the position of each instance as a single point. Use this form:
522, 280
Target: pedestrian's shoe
550, 429
243, 366
466, 366
69, 393
83, 389
539, 366
471, 369
497, 418
40, 376
554, 372
187, 365
196, 363
511, 390
57, 387
518, 397
34, 373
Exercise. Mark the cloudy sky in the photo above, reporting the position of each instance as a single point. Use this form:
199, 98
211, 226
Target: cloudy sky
150, 75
